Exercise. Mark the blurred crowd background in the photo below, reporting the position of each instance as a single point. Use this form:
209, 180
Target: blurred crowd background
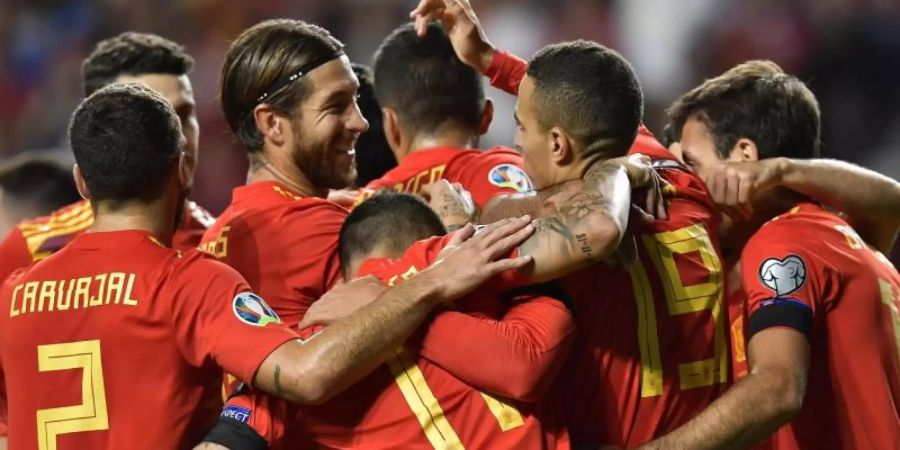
847, 50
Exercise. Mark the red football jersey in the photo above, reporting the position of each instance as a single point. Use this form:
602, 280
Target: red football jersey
484, 173
809, 270
412, 402
284, 245
112, 311
652, 351
36, 239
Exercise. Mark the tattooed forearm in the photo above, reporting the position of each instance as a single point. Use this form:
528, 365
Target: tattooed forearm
278, 389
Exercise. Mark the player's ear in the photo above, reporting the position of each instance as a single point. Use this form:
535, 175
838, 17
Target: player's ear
744, 150
391, 124
487, 116
80, 184
270, 124
184, 171
561, 150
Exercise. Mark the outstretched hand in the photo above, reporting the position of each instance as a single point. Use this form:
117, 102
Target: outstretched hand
461, 24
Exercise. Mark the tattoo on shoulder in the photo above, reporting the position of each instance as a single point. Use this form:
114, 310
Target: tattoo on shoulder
278, 388
582, 205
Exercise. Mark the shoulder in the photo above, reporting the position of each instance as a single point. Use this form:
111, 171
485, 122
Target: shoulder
312, 210
197, 267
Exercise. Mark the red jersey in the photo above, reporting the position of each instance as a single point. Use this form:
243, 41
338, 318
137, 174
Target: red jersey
284, 245
83, 329
484, 173
809, 270
412, 402
36, 239
652, 351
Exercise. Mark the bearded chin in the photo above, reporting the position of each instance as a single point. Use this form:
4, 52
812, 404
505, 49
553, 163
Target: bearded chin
322, 174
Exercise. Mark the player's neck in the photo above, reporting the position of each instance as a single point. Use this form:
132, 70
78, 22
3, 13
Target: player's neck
287, 173
452, 137
155, 217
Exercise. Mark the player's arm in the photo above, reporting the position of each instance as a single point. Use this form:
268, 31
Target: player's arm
14, 253
311, 372
757, 405
516, 357
250, 420
870, 199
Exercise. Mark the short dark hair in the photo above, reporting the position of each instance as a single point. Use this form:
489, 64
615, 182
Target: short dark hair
373, 154
758, 101
262, 56
591, 92
390, 219
126, 140
37, 185
423, 80
132, 53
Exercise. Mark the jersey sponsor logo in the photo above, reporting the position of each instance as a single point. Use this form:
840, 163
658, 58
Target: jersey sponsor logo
510, 177
239, 413
253, 310
784, 276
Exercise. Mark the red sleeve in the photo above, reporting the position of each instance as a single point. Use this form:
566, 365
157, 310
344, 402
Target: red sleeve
491, 173
310, 266
516, 357
218, 318
506, 71
14, 253
267, 416
786, 284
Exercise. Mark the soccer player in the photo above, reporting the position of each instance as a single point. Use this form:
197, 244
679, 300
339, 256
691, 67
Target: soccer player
32, 187
129, 57
435, 112
288, 93
118, 306
417, 401
821, 321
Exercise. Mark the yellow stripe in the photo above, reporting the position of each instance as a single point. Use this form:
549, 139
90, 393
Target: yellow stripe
35, 242
507, 416
34, 228
648, 340
422, 402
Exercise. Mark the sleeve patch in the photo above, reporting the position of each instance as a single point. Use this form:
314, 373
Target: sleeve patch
783, 276
239, 413
781, 312
509, 176
253, 310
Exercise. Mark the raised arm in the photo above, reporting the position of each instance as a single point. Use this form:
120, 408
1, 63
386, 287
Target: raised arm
313, 371
870, 199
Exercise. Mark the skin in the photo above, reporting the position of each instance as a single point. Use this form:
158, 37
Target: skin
311, 150
177, 89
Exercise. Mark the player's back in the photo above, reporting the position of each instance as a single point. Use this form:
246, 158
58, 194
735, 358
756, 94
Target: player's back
853, 390
412, 403
652, 345
484, 173
90, 353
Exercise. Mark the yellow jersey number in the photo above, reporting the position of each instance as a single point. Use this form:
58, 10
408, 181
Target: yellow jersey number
680, 299
425, 406
91, 414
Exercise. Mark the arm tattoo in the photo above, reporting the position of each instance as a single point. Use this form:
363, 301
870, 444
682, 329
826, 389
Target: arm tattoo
552, 223
278, 388
583, 242
581, 205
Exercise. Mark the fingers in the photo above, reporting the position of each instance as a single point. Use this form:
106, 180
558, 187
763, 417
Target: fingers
460, 236
505, 245
501, 229
641, 216
503, 265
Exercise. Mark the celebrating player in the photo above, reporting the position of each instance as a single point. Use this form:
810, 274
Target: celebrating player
130, 57
418, 401
435, 112
85, 324
822, 333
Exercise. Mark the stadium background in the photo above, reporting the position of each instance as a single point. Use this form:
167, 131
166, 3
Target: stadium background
847, 50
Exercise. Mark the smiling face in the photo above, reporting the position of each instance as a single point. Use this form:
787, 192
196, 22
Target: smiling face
324, 129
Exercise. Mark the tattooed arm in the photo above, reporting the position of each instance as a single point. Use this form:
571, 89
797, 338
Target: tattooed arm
583, 228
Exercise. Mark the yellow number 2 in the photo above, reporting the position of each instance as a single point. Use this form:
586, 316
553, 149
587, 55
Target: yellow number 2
91, 414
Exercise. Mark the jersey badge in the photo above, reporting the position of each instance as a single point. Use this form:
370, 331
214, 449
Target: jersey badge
783, 276
253, 310
239, 413
510, 177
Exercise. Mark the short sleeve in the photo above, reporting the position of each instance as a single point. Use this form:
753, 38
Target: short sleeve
785, 283
492, 173
217, 318
14, 253
310, 265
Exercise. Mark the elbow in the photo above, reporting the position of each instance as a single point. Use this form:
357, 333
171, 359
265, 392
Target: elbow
308, 386
787, 393
524, 387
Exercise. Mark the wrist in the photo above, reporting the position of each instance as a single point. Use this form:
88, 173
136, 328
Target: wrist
426, 289
784, 169
486, 58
